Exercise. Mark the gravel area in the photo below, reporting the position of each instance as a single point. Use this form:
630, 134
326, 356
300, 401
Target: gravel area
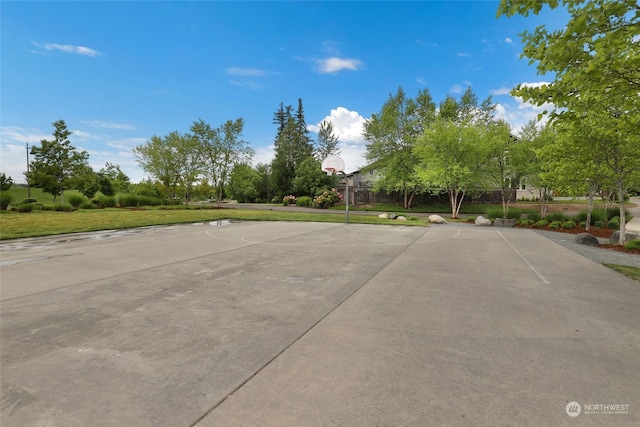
603, 256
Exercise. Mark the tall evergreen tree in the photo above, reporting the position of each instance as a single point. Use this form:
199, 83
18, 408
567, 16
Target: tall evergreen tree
292, 146
327, 143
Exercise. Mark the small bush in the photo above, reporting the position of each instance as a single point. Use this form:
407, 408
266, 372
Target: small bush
127, 200
276, 199
583, 223
493, 213
63, 208
304, 201
288, 200
599, 224
541, 223
613, 224
5, 200
149, 201
633, 245
555, 225
107, 201
47, 207
75, 199
534, 216
25, 207
87, 205
567, 225
30, 200
556, 216
327, 199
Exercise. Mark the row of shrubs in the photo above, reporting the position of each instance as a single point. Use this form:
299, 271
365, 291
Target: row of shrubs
324, 200
78, 201
599, 217
614, 223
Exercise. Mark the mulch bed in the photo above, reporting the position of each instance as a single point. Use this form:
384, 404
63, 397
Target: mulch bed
595, 231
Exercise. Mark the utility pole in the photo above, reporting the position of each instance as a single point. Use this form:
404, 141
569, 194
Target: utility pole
28, 186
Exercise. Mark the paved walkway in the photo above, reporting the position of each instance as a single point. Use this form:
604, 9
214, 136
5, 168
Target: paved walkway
304, 324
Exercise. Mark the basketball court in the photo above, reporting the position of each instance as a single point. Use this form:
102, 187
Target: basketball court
303, 324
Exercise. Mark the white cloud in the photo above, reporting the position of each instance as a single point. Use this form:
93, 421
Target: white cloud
334, 64
456, 89
421, 80
508, 40
68, 48
245, 72
500, 91
347, 125
107, 125
464, 54
520, 112
13, 150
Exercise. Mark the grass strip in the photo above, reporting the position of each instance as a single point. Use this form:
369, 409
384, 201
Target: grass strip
630, 272
45, 223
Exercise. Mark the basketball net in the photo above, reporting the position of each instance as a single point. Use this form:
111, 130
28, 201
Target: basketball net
329, 171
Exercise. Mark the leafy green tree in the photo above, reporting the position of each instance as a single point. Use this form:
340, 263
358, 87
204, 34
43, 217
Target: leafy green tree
507, 161
242, 185
120, 182
263, 185
158, 158
454, 156
5, 182
56, 163
327, 143
310, 180
222, 150
292, 147
190, 158
594, 59
392, 134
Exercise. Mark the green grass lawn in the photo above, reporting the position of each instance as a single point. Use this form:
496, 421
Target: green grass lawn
19, 193
43, 223
631, 272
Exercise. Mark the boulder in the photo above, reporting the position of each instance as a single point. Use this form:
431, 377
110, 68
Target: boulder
502, 222
401, 218
436, 219
393, 216
483, 221
384, 215
586, 239
628, 235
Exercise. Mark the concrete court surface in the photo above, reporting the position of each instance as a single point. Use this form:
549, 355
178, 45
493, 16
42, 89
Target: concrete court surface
308, 324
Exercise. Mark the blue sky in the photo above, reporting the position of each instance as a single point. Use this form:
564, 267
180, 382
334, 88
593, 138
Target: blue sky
120, 72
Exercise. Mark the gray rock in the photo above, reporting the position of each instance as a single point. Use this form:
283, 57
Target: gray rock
401, 218
393, 216
383, 216
501, 222
586, 239
629, 236
436, 219
483, 221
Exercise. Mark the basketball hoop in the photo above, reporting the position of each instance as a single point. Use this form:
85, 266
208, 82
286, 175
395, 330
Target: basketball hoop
329, 171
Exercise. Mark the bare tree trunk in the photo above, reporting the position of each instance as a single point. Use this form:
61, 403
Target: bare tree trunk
591, 197
623, 219
413, 193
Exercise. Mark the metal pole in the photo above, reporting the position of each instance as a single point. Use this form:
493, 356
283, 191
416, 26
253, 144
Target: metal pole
346, 182
28, 186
